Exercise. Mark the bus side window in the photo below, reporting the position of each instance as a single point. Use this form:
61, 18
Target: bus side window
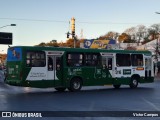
28, 63
137, 59
74, 59
35, 59
58, 63
92, 59
140, 62
50, 64
104, 65
123, 60
110, 63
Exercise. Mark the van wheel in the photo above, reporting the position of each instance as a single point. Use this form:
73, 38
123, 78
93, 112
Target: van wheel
60, 89
134, 83
75, 84
116, 86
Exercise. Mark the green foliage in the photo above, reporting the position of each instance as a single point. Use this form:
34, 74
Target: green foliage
41, 44
53, 44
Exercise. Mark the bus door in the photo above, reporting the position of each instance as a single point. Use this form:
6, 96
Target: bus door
108, 66
148, 67
54, 67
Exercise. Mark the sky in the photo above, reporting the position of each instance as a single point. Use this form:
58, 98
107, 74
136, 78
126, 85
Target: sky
45, 20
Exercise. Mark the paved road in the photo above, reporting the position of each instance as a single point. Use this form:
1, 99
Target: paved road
2, 77
145, 98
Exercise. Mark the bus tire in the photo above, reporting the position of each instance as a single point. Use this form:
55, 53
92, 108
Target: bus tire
75, 84
60, 89
134, 82
116, 86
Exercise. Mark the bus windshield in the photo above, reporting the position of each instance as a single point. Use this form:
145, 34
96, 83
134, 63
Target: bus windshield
14, 54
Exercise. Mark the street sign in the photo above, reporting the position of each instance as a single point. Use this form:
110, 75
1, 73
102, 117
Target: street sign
6, 38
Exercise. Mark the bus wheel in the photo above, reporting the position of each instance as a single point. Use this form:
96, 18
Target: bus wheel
116, 86
75, 85
134, 83
60, 89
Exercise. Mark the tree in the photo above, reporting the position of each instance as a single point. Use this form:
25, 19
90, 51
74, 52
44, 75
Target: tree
41, 44
137, 33
62, 44
130, 31
2, 59
130, 48
124, 38
153, 31
53, 44
154, 34
70, 43
141, 33
109, 35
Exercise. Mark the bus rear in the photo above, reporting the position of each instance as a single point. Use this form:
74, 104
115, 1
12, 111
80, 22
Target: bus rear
14, 66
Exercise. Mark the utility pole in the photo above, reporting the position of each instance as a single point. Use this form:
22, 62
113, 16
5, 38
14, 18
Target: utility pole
73, 30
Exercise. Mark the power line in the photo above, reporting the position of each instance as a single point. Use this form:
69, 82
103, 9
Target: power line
60, 21
108, 23
36, 20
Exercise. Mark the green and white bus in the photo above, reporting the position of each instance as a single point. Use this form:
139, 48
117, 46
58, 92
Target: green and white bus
72, 68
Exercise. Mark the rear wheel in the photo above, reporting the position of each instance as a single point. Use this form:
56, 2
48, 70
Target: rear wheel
60, 89
75, 84
134, 83
116, 86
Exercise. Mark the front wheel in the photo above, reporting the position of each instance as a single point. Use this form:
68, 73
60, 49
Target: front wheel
134, 83
75, 84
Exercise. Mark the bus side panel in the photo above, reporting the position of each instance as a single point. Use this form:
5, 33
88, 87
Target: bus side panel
14, 73
91, 76
146, 80
40, 83
102, 76
36, 77
119, 81
86, 74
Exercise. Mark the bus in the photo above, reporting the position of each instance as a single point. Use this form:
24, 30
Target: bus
72, 68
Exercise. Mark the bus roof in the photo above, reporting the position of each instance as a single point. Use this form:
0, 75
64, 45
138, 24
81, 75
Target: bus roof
81, 49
